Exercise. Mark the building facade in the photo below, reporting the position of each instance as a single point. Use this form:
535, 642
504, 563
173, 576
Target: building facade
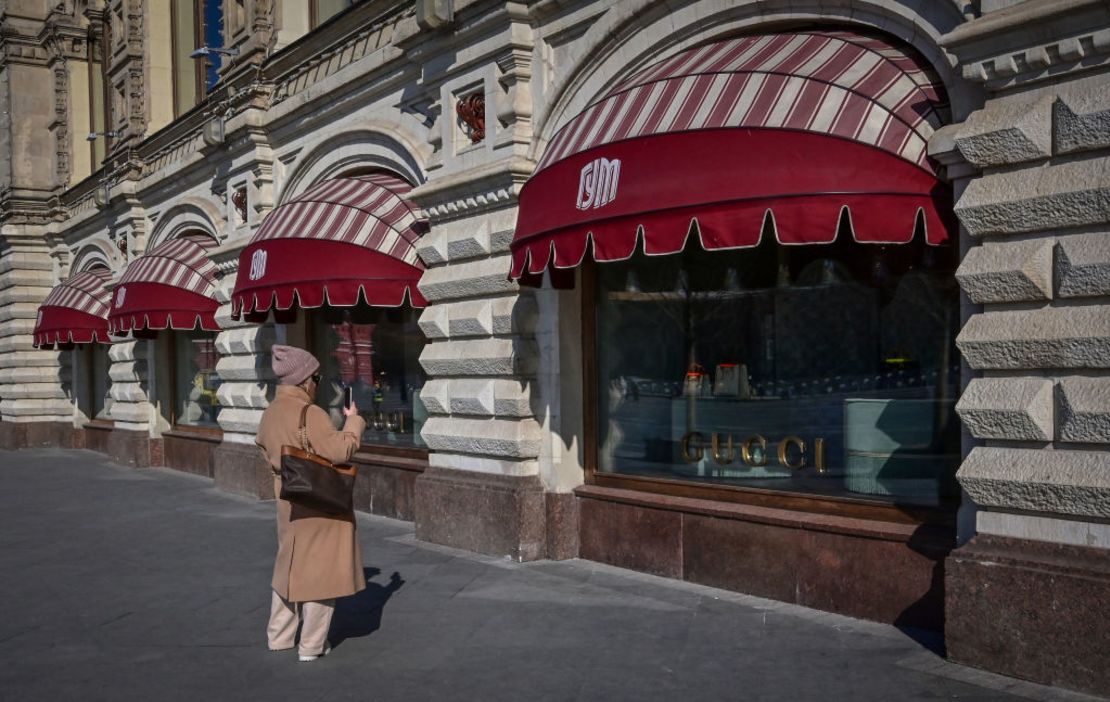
804, 300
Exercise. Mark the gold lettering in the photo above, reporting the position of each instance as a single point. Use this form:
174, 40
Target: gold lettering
748, 455
698, 451
819, 455
784, 453
726, 458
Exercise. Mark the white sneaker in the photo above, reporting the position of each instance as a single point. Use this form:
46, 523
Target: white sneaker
309, 659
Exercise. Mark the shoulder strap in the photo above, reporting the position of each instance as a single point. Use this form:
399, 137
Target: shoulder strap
302, 430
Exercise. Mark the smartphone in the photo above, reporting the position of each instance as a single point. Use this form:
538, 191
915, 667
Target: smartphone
348, 397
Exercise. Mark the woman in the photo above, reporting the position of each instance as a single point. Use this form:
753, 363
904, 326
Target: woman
318, 555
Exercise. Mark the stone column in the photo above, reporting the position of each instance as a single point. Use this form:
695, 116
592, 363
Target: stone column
246, 388
133, 411
36, 407
483, 489
1026, 595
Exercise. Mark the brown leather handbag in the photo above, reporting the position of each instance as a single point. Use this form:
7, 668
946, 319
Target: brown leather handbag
312, 481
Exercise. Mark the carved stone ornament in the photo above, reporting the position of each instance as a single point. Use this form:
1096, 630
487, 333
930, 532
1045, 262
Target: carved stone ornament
472, 111
239, 199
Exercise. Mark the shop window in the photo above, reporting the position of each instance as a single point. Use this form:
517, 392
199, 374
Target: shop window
195, 381
95, 402
323, 10
196, 23
375, 351
825, 370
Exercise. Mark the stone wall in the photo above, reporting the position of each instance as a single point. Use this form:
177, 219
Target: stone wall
1039, 343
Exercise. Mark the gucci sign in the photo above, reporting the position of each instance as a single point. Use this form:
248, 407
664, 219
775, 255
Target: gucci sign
792, 451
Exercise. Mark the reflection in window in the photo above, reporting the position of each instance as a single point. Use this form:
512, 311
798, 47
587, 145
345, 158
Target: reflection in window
818, 369
196, 23
94, 401
374, 351
195, 380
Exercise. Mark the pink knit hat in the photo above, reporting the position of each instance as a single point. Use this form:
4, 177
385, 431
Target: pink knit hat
292, 365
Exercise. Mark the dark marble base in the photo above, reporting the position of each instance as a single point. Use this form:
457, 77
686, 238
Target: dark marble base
1032, 610
498, 515
386, 485
562, 526
884, 572
134, 448
95, 437
191, 453
17, 435
240, 468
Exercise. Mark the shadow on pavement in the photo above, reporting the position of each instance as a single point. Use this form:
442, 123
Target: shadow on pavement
361, 613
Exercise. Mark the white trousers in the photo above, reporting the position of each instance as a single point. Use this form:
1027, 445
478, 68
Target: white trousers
284, 616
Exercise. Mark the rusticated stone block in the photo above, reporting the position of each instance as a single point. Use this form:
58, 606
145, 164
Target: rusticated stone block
502, 438
1082, 121
1038, 480
1032, 200
1008, 408
479, 278
480, 357
1083, 266
246, 367
436, 396
1051, 337
434, 321
247, 340
1003, 133
472, 396
1084, 410
246, 395
239, 420
1007, 272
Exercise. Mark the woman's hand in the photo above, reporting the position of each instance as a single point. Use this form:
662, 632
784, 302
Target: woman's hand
350, 411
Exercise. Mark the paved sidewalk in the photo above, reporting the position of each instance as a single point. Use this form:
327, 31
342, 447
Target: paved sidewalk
152, 585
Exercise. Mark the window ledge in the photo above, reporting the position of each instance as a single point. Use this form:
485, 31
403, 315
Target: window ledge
410, 459
214, 436
893, 529
101, 424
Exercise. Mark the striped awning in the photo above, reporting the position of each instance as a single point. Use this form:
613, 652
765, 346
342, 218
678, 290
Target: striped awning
169, 287
342, 242
795, 131
75, 311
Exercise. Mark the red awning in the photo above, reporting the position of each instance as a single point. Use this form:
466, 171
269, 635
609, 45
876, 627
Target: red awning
168, 287
343, 241
791, 131
75, 311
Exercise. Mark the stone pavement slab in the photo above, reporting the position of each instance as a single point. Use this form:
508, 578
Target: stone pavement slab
120, 584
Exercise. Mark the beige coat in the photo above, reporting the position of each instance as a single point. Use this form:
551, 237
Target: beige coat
318, 555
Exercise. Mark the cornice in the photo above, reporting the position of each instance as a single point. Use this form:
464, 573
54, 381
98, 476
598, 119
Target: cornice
492, 186
1032, 42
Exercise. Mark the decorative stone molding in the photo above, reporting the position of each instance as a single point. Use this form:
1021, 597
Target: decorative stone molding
1034, 480
1019, 409
1032, 42
1008, 272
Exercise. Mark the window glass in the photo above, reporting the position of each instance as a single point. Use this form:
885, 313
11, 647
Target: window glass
195, 380
376, 352
326, 9
213, 37
819, 369
99, 381
97, 103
